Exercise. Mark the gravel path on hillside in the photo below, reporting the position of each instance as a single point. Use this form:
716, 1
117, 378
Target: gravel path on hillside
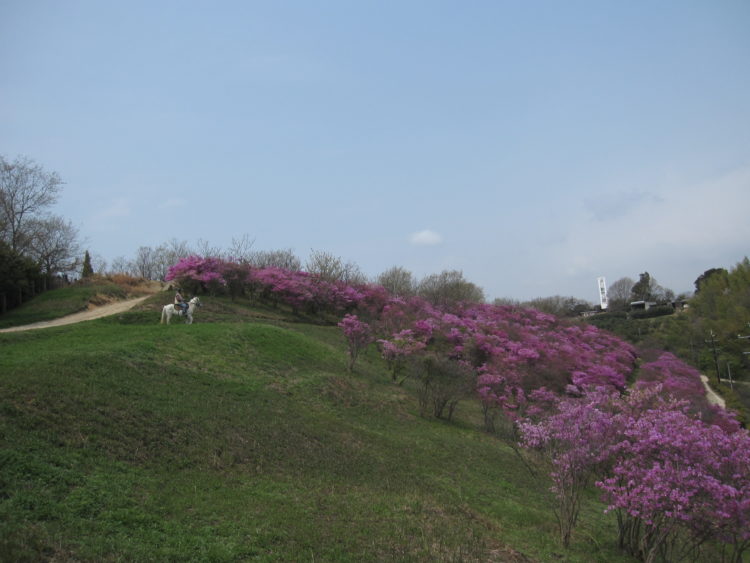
713, 398
96, 313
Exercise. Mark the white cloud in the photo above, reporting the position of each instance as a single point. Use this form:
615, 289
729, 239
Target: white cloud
426, 238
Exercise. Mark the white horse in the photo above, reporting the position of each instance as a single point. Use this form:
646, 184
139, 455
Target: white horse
169, 310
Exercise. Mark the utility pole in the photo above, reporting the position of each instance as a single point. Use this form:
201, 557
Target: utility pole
744, 338
715, 352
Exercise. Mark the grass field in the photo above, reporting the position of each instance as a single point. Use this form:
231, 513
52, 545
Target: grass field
243, 438
54, 304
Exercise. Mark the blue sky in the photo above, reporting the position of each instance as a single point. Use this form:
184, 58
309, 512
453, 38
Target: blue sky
533, 145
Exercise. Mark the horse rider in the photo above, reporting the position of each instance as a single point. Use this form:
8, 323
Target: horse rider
179, 302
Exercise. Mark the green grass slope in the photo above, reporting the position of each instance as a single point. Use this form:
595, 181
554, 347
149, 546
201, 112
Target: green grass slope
244, 439
58, 303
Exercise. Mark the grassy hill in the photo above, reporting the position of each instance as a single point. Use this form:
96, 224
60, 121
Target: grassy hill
242, 437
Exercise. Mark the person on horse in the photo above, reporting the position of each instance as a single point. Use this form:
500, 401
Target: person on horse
179, 302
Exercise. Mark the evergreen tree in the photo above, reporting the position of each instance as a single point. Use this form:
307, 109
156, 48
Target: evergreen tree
87, 269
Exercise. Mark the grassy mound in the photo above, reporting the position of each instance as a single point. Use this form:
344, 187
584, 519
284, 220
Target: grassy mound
59, 303
242, 437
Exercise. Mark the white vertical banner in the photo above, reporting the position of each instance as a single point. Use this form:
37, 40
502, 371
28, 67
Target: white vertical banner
602, 292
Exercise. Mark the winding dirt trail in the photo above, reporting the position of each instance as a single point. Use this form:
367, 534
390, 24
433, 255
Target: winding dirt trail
713, 398
97, 313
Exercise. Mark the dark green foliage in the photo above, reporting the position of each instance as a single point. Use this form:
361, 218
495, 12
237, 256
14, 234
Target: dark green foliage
658, 311
443, 383
87, 270
704, 277
642, 290
20, 278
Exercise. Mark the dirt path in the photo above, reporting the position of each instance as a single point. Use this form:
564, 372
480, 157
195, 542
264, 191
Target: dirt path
713, 398
97, 313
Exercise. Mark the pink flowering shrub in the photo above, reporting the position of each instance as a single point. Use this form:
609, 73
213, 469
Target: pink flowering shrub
683, 382
672, 480
574, 443
513, 351
358, 336
398, 349
675, 482
196, 274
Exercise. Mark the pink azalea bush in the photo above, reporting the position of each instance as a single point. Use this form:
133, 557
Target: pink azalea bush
358, 336
196, 274
513, 351
296, 289
672, 480
683, 382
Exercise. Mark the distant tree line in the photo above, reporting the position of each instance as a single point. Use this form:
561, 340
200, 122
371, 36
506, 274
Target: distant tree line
446, 287
37, 247
711, 331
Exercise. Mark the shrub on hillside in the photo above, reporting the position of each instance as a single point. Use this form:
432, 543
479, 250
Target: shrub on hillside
683, 382
658, 311
442, 384
358, 336
196, 275
673, 481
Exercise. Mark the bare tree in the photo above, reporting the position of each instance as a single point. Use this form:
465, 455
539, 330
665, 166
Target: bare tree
506, 302
449, 287
206, 249
146, 263
53, 243
332, 268
25, 191
241, 249
98, 263
618, 293
121, 265
325, 265
168, 254
353, 275
285, 259
398, 281
559, 306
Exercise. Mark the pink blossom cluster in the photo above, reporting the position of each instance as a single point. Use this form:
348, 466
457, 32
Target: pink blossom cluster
667, 473
300, 290
683, 382
515, 351
358, 335
198, 269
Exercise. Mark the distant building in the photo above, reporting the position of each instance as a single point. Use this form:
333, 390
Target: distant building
641, 305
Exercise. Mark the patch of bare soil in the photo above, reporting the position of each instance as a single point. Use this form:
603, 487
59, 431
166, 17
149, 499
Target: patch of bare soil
96, 313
